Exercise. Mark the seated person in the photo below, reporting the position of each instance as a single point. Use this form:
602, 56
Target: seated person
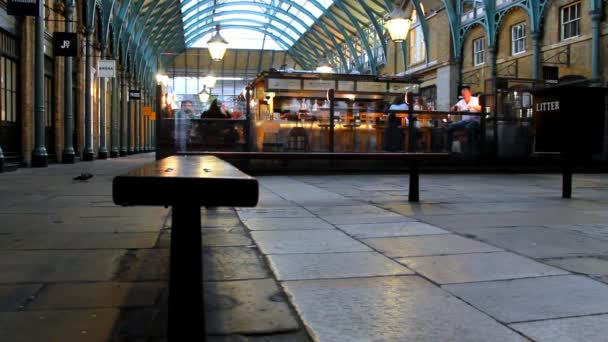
393, 135
470, 123
218, 133
399, 104
217, 110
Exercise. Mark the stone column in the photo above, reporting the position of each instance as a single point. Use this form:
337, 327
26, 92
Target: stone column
114, 132
39, 154
103, 149
68, 155
123, 112
137, 121
88, 153
492, 60
536, 63
596, 65
130, 147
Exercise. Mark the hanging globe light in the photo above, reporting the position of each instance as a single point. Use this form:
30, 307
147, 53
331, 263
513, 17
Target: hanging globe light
204, 95
324, 66
217, 45
398, 25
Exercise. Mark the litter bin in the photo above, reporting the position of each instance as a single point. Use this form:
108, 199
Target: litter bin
513, 139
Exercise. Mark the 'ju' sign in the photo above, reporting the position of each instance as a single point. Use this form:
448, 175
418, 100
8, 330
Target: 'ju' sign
65, 44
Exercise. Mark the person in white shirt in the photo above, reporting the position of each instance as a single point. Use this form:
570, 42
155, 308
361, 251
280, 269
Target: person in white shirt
470, 123
394, 139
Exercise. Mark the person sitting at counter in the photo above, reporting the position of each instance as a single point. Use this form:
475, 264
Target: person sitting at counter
218, 133
470, 123
394, 137
217, 110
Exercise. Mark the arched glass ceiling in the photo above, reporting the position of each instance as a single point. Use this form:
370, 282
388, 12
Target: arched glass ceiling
247, 24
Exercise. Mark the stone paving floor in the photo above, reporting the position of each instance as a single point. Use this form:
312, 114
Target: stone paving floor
328, 258
75, 267
480, 258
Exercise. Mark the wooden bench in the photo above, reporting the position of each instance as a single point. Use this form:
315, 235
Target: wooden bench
186, 183
414, 160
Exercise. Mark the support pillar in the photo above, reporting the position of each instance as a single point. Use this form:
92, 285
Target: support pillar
130, 147
536, 67
144, 123
137, 121
68, 155
457, 79
123, 112
596, 65
39, 154
492, 60
114, 132
88, 153
103, 150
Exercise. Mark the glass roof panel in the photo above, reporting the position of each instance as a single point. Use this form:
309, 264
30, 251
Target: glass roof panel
242, 39
276, 26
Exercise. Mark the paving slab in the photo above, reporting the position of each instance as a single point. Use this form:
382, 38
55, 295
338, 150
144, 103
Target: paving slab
588, 329
97, 295
347, 210
521, 300
299, 336
56, 240
464, 268
247, 307
417, 209
60, 265
425, 245
585, 265
213, 237
58, 326
334, 265
219, 263
287, 212
233, 263
355, 218
306, 241
144, 265
372, 230
406, 308
13, 297
541, 242
286, 223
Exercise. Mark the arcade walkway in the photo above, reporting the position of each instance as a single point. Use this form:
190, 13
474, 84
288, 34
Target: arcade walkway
482, 258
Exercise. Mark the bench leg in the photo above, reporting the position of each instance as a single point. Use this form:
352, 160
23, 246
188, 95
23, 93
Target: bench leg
186, 312
566, 179
413, 195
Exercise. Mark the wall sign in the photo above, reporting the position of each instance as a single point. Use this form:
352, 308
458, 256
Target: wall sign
284, 84
106, 68
371, 87
319, 84
134, 94
147, 110
29, 8
346, 85
65, 44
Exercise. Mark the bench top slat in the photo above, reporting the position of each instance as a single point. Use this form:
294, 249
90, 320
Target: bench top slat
192, 180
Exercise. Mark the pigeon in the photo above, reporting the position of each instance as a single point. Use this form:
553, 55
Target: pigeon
83, 176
